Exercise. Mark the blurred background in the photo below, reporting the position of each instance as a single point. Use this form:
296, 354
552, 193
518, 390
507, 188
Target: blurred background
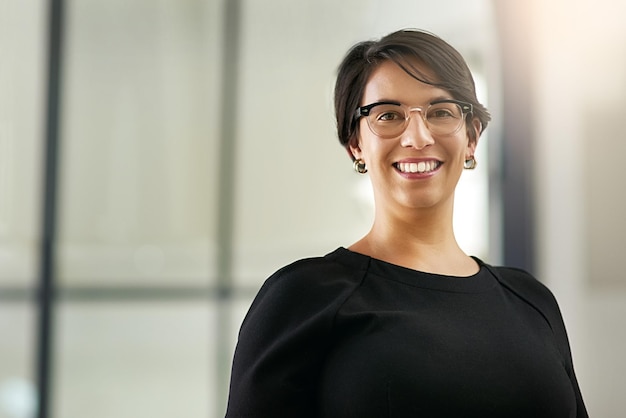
160, 158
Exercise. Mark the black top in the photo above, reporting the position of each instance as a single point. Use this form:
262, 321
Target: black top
347, 335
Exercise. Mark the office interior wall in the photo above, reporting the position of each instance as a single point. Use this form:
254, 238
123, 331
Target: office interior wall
580, 75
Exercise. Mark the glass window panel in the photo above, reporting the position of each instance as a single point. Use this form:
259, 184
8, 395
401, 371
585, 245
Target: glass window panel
236, 311
139, 142
22, 83
129, 360
295, 189
17, 387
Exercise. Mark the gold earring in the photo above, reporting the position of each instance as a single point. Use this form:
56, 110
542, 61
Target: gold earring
470, 163
359, 166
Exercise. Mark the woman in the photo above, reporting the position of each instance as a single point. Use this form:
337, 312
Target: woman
403, 323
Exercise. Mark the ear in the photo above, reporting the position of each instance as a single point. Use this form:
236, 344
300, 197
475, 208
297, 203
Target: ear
472, 143
354, 151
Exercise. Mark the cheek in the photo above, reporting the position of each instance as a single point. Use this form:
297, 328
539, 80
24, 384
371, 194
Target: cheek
466, 145
368, 146
377, 152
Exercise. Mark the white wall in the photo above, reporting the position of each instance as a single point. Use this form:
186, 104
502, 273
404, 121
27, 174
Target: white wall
580, 72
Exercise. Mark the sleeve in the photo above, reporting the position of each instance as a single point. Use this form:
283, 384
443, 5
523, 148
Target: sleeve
538, 295
283, 341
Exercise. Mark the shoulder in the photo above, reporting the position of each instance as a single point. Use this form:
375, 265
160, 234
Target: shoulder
307, 287
535, 293
285, 335
310, 276
539, 296
526, 284
528, 288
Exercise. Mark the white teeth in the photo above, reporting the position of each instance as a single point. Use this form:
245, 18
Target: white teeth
421, 167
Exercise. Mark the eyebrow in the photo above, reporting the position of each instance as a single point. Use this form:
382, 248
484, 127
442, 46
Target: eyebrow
384, 101
437, 99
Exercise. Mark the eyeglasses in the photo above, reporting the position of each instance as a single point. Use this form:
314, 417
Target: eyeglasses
390, 119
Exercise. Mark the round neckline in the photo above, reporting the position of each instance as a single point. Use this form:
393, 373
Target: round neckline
481, 281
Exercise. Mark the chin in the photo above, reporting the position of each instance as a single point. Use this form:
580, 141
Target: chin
424, 201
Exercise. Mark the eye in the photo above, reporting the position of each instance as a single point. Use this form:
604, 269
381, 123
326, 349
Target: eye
389, 116
442, 111
388, 113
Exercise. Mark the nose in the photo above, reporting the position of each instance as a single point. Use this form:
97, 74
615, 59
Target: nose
417, 134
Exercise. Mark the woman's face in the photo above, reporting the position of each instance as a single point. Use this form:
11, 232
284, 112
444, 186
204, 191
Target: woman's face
392, 162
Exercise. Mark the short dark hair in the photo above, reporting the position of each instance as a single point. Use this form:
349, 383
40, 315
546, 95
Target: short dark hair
403, 47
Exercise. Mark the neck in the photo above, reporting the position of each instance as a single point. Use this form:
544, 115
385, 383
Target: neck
421, 240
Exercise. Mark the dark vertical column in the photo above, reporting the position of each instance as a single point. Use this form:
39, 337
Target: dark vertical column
226, 191
518, 163
45, 294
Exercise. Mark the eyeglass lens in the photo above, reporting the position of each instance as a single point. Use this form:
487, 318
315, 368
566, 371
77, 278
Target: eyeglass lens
390, 120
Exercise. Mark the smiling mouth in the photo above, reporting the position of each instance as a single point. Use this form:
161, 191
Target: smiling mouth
419, 167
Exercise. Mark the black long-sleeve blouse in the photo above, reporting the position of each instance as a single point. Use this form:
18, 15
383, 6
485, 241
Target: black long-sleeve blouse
347, 335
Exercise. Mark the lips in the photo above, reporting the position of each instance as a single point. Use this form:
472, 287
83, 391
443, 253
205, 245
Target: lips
417, 166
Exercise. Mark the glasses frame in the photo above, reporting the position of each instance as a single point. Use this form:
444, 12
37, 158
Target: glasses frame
364, 111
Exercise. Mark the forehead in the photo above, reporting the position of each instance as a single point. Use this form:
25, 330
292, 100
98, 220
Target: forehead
390, 82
